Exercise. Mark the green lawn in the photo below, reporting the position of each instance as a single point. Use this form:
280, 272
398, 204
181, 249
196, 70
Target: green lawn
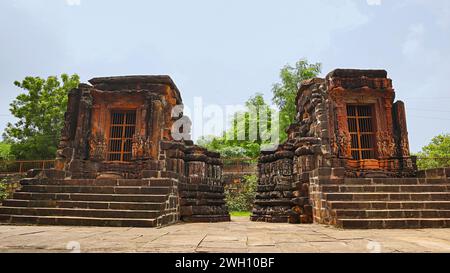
240, 213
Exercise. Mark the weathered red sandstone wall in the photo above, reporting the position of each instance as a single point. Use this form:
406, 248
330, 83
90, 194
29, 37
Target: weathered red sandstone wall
83, 150
319, 144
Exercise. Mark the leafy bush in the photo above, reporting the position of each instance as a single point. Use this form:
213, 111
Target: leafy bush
242, 200
3, 192
232, 152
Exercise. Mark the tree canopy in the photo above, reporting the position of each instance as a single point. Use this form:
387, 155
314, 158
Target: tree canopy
436, 154
5, 151
285, 92
249, 131
40, 116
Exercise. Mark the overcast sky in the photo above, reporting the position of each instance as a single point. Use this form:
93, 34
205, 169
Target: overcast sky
225, 51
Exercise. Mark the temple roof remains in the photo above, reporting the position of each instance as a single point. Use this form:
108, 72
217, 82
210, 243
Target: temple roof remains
118, 83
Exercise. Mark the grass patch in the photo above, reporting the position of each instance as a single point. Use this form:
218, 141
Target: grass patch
241, 213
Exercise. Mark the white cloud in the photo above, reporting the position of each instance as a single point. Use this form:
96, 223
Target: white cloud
373, 2
73, 2
440, 9
417, 50
413, 44
443, 18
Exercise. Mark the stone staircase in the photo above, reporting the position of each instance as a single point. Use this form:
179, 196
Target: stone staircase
385, 203
149, 202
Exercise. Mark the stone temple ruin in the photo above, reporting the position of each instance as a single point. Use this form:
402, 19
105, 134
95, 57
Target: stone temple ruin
347, 162
119, 165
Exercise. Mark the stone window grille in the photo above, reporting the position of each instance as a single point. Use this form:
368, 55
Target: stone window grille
122, 129
361, 129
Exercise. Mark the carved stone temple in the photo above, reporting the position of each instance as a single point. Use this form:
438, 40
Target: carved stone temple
119, 164
125, 159
346, 161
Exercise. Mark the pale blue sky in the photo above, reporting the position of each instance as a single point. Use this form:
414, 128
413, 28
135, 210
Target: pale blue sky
225, 51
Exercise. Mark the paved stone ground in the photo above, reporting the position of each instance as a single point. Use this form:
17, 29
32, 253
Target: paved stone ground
240, 235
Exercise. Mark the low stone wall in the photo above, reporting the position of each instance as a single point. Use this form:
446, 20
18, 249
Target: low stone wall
434, 173
235, 181
239, 166
235, 170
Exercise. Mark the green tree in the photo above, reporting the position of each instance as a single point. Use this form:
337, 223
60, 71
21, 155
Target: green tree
436, 154
5, 156
284, 93
40, 113
246, 135
252, 128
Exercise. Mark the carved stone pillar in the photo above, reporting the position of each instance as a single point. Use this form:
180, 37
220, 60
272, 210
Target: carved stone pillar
343, 136
83, 130
400, 129
70, 117
65, 148
154, 126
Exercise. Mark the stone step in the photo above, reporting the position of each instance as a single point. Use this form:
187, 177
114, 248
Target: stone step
90, 197
158, 182
207, 218
90, 213
391, 196
84, 204
269, 218
202, 202
77, 221
394, 181
386, 188
274, 202
91, 202
399, 223
385, 214
95, 189
367, 205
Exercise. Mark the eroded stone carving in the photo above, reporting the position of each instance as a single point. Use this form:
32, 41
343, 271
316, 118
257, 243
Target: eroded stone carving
343, 143
141, 147
385, 144
98, 147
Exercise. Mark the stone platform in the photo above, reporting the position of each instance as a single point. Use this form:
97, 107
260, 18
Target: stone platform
146, 202
238, 236
94, 202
